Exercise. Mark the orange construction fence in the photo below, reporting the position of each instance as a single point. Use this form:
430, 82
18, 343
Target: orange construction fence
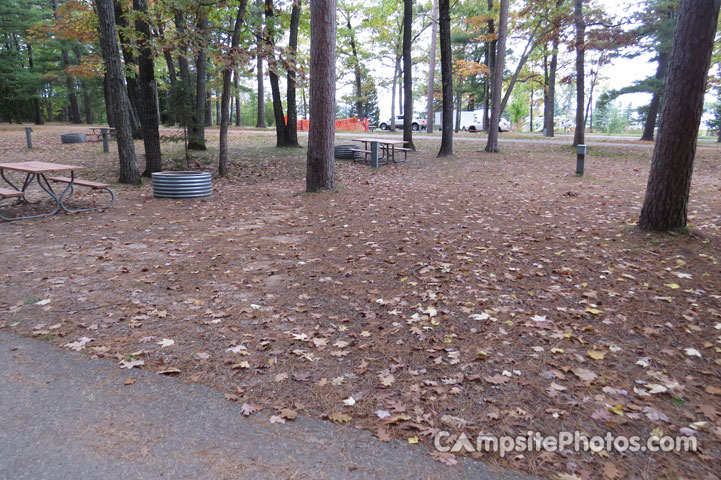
347, 124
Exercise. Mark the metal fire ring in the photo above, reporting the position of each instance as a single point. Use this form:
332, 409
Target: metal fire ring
182, 184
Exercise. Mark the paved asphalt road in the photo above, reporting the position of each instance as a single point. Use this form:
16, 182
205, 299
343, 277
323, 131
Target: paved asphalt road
67, 416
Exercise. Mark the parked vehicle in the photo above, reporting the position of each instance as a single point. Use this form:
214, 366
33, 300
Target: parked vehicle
416, 123
471, 121
504, 125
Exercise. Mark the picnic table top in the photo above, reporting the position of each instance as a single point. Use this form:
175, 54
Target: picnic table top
109, 129
39, 167
381, 140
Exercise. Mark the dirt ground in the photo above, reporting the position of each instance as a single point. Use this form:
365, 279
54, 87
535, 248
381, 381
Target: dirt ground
485, 293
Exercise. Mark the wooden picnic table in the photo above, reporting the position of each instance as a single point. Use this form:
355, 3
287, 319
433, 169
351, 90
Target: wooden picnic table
389, 146
35, 171
98, 132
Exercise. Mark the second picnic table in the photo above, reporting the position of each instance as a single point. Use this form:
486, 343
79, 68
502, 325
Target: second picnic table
389, 147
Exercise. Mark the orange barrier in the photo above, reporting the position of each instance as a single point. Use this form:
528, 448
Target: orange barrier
346, 124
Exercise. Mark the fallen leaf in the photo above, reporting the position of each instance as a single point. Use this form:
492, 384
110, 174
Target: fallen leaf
340, 417
713, 390
655, 415
383, 435
584, 374
595, 354
288, 414
131, 364
129, 381
497, 379
612, 472
247, 409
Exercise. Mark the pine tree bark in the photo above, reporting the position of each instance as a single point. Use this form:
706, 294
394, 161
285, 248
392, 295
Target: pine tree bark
491, 62
291, 129
225, 95
129, 172
408, 75
392, 125
147, 88
320, 173
260, 123
109, 109
580, 135
237, 98
650, 126
280, 130
432, 69
444, 27
497, 84
669, 182
549, 107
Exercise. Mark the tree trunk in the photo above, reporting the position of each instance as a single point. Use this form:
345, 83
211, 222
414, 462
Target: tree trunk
527, 51
669, 182
432, 69
408, 75
321, 137
444, 26
208, 122
457, 120
357, 74
131, 82
36, 101
580, 136
273, 65
530, 115
196, 127
147, 98
497, 84
129, 172
549, 108
237, 97
259, 66
291, 129
225, 95
653, 109
186, 94
491, 66
393, 96
109, 109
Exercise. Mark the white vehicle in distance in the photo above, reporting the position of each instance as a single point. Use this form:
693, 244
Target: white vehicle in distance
503, 124
416, 123
471, 121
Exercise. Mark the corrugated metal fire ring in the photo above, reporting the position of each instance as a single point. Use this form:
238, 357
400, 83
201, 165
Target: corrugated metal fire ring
182, 184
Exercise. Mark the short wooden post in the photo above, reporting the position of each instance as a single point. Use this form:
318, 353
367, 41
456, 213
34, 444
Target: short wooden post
104, 133
580, 159
374, 154
28, 130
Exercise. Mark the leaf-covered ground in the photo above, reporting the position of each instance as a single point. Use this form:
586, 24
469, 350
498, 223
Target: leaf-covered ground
483, 293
